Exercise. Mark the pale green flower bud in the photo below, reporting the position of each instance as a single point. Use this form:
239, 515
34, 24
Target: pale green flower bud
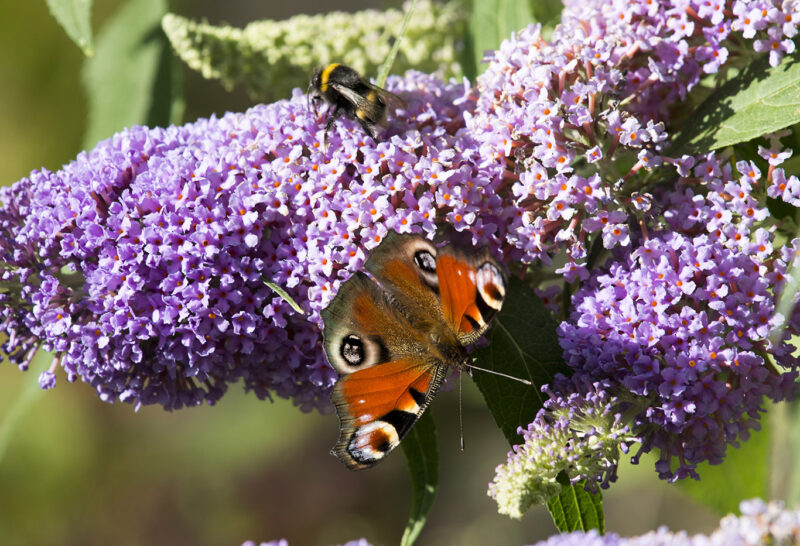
580, 434
271, 57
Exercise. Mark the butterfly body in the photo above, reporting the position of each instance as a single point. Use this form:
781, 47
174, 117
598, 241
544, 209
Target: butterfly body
393, 339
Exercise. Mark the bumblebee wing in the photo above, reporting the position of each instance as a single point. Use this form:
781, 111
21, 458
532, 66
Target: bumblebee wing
369, 106
352, 95
389, 98
370, 109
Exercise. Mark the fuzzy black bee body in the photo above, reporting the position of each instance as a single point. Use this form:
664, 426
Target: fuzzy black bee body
349, 94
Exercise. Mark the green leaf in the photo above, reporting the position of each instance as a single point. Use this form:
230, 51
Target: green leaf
73, 16
422, 454
786, 468
16, 411
575, 509
491, 22
760, 100
786, 299
284, 296
122, 79
547, 13
742, 475
168, 103
781, 210
522, 343
384, 69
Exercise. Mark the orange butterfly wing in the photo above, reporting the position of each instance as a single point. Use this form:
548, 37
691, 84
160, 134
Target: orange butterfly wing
405, 265
392, 342
377, 407
387, 375
472, 290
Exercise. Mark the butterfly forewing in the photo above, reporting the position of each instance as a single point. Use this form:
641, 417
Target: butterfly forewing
405, 265
388, 376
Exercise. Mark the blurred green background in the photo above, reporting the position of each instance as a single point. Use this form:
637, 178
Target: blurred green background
75, 470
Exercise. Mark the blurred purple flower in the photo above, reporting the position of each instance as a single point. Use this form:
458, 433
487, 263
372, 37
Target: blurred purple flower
284, 542
760, 523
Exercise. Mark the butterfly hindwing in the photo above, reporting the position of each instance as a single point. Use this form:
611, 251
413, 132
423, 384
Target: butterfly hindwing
472, 288
377, 407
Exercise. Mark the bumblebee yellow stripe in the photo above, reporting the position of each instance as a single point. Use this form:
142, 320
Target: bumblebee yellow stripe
326, 75
371, 98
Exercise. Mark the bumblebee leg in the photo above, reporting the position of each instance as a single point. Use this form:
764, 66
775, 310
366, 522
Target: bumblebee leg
370, 128
311, 97
313, 100
337, 113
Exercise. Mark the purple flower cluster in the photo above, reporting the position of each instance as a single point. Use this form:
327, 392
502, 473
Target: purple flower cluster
142, 263
682, 332
760, 523
683, 323
558, 120
725, 200
679, 324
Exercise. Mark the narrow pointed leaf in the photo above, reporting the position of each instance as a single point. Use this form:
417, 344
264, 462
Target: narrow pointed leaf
168, 102
786, 468
491, 22
423, 465
8, 425
284, 296
74, 16
384, 69
122, 78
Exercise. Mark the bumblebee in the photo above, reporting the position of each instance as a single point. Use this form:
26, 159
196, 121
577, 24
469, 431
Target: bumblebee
349, 94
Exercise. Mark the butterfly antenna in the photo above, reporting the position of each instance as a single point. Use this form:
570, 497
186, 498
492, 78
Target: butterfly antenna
460, 411
501, 374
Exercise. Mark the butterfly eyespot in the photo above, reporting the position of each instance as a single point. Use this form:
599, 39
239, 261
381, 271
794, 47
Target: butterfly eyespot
491, 286
425, 261
352, 350
370, 443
